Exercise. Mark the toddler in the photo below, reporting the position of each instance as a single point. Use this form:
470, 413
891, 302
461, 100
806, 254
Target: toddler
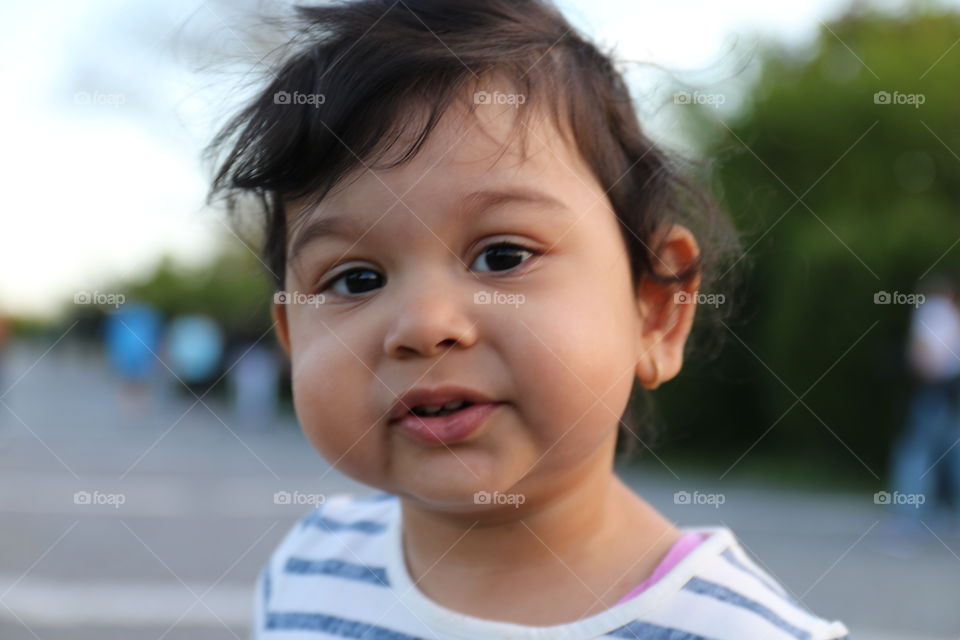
479, 258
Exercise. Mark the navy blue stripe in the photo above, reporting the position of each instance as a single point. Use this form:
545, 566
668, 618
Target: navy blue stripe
724, 594
338, 569
644, 631
317, 519
776, 589
332, 625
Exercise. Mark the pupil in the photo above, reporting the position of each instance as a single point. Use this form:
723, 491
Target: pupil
510, 254
361, 277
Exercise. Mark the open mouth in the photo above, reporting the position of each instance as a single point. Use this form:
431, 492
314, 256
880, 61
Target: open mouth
445, 424
433, 411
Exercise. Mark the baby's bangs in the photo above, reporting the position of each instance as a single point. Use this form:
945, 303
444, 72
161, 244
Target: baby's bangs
413, 117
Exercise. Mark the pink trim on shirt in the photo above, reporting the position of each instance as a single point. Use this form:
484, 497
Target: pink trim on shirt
684, 545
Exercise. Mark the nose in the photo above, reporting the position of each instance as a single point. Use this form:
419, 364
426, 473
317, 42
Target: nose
430, 316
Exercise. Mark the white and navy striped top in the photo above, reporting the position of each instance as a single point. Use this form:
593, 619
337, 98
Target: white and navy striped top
340, 573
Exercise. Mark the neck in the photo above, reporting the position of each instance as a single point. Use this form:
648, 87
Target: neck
591, 515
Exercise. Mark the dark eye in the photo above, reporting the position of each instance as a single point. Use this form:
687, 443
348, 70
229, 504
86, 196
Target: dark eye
503, 256
356, 281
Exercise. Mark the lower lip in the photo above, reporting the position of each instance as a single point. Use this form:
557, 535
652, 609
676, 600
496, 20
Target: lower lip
447, 429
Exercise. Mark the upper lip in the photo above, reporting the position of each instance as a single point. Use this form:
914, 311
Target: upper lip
434, 396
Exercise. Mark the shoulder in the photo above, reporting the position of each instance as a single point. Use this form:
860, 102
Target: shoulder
338, 518
341, 538
735, 598
340, 525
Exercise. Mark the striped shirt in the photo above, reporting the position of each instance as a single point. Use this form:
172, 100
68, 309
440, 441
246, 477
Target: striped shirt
340, 573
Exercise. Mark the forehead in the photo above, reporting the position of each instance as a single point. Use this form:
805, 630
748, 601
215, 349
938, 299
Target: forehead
474, 147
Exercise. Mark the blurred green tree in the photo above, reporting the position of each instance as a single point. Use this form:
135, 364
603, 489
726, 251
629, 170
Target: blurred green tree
232, 289
842, 170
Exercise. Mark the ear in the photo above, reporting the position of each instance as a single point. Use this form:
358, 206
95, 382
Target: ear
665, 310
279, 312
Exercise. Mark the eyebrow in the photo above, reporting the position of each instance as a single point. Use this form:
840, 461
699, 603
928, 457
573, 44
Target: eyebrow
472, 205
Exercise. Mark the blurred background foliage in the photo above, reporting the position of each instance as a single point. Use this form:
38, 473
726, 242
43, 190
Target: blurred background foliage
233, 290
837, 197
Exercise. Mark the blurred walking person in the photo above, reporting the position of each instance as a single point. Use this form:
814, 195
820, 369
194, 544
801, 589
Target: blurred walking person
194, 349
254, 372
930, 443
132, 337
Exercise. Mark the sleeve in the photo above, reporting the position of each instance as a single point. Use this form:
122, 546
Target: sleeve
268, 580
261, 596
834, 630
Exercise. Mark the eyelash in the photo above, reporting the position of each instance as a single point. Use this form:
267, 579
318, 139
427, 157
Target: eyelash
329, 283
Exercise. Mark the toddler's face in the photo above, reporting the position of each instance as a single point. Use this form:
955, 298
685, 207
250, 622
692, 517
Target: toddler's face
548, 325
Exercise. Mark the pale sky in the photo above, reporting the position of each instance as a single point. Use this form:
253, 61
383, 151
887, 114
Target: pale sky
104, 120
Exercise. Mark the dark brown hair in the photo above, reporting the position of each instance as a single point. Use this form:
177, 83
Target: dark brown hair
368, 63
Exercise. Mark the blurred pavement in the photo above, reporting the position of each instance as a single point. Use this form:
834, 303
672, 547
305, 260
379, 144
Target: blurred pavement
177, 559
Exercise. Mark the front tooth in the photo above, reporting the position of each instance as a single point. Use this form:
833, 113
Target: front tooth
431, 408
453, 405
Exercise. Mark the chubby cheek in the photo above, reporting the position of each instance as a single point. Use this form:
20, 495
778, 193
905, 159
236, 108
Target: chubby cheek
574, 369
329, 393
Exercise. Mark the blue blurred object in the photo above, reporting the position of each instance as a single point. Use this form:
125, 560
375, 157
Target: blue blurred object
194, 348
254, 373
132, 336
